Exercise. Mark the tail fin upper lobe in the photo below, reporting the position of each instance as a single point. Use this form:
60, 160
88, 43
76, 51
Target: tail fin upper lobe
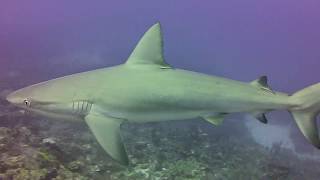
305, 111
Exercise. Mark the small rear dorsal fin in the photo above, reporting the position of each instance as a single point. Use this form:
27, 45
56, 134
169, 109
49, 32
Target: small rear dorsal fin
260, 116
149, 50
262, 82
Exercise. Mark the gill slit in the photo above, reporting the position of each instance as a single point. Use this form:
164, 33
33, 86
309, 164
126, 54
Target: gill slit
87, 106
82, 106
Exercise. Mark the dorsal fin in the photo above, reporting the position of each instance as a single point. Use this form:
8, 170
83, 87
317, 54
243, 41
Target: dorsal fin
149, 50
262, 82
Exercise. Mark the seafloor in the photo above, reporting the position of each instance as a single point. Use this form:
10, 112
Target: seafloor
34, 148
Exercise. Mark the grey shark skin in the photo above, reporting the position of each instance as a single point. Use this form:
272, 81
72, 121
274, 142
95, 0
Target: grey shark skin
146, 89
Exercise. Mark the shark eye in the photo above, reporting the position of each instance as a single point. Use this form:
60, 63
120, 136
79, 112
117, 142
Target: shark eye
27, 102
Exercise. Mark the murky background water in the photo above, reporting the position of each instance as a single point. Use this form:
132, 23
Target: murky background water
241, 40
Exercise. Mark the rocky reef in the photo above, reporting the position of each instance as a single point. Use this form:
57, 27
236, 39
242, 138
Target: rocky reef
33, 148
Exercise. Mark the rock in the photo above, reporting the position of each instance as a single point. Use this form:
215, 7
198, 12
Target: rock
10, 173
24, 131
96, 168
64, 173
49, 141
52, 173
75, 166
34, 174
86, 148
5, 139
21, 134
4, 134
4, 131
14, 162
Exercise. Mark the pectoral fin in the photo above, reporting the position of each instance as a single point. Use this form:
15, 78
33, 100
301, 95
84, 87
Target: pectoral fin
107, 132
216, 119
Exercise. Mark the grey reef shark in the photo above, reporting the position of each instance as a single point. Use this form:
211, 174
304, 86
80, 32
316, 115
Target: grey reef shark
147, 89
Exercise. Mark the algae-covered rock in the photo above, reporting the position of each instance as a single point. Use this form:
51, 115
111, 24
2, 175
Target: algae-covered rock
46, 159
75, 165
4, 132
5, 139
64, 174
14, 161
36, 174
188, 169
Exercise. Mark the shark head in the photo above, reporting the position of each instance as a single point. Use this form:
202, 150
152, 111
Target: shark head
49, 99
22, 97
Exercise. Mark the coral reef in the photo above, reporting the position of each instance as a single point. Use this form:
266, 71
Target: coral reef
39, 149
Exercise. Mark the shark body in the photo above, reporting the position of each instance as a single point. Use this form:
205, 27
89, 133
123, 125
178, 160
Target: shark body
147, 89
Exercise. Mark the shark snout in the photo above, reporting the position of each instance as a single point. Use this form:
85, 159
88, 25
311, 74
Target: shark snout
13, 98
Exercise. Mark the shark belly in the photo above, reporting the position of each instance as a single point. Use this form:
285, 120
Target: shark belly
149, 112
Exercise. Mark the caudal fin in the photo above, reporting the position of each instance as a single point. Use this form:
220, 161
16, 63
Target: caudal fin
305, 110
